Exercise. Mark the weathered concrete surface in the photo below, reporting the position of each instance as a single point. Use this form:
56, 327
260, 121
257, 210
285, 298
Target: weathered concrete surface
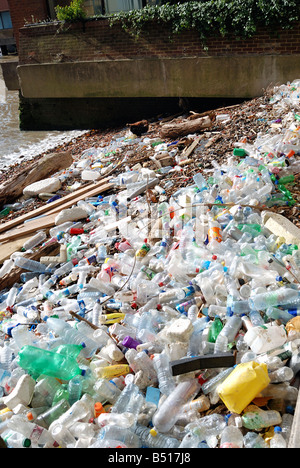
224, 76
9, 73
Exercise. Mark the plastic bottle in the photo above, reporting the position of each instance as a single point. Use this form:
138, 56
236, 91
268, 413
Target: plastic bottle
32, 431
106, 391
231, 328
34, 241
256, 419
254, 440
40, 361
118, 436
200, 181
211, 384
278, 441
286, 425
231, 437
152, 439
80, 410
215, 329
124, 398
275, 298
31, 265
44, 391
166, 381
208, 427
167, 414
284, 374
15, 439
46, 418
62, 436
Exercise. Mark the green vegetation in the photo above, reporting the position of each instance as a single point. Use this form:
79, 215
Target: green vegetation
209, 17
71, 13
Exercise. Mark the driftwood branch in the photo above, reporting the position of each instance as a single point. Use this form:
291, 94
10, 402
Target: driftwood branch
176, 130
13, 188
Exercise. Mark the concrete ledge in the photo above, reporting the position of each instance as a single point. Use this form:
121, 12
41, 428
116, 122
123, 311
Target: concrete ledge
223, 76
9, 73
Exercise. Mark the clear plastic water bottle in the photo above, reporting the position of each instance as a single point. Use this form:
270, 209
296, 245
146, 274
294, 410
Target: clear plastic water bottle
125, 397
211, 384
107, 391
32, 431
34, 241
62, 436
231, 437
119, 435
167, 414
275, 298
80, 410
166, 381
152, 439
278, 441
207, 427
254, 440
284, 374
286, 425
31, 265
231, 328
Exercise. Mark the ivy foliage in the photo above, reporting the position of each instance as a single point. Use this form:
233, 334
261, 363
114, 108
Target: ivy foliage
209, 17
71, 13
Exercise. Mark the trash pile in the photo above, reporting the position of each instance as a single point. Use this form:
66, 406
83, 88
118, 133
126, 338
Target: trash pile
169, 316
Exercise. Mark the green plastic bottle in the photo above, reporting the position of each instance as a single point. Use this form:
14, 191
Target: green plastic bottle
215, 329
61, 365
286, 179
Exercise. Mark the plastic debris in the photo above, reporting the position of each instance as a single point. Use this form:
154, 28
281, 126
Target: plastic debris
168, 316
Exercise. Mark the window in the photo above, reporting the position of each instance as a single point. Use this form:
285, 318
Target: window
5, 20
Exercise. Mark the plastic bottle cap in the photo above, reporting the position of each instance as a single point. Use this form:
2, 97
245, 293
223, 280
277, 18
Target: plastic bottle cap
153, 432
26, 443
30, 416
277, 429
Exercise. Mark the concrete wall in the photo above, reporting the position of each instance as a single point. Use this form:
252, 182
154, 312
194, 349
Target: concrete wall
9, 73
245, 76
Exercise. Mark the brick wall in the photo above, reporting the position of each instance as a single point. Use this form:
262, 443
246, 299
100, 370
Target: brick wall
4, 5
28, 11
96, 40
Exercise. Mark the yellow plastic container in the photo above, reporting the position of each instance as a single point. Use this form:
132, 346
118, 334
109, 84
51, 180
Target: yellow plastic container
244, 383
109, 372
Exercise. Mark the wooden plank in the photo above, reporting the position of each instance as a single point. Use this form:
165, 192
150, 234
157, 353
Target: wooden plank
48, 221
187, 151
8, 280
56, 205
10, 247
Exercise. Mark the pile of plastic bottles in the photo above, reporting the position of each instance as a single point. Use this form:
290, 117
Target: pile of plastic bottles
163, 313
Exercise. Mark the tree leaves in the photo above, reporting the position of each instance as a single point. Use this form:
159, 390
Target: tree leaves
209, 17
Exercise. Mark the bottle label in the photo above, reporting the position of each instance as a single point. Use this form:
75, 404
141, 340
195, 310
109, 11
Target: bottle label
36, 433
229, 445
214, 233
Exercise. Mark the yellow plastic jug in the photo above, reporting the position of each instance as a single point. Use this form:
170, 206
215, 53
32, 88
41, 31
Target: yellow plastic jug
244, 383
